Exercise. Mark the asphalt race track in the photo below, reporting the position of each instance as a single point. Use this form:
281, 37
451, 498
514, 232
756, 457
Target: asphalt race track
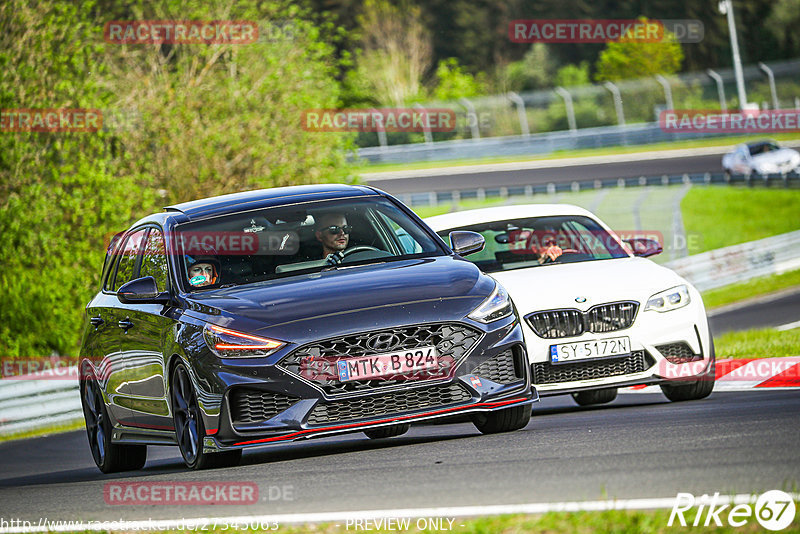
778, 310
579, 173
639, 446
611, 167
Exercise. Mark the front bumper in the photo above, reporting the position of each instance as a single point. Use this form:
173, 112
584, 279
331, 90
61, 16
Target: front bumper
264, 404
665, 347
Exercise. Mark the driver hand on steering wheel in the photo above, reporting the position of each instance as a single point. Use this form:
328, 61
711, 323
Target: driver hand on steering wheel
549, 251
333, 232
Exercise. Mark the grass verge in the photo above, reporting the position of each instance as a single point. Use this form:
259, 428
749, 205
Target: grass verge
756, 287
721, 142
45, 431
722, 216
758, 343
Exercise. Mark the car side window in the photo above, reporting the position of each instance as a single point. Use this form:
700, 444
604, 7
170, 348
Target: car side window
130, 253
154, 260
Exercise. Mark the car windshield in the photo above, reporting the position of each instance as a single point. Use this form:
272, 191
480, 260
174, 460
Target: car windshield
260, 245
521, 243
762, 148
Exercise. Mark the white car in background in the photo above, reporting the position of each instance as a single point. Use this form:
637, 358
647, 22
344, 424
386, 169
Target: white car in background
761, 157
596, 316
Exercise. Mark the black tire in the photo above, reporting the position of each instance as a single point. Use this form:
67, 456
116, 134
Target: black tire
595, 396
109, 457
387, 431
506, 420
189, 427
696, 390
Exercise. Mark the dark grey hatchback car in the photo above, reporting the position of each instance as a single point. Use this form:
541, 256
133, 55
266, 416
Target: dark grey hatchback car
275, 315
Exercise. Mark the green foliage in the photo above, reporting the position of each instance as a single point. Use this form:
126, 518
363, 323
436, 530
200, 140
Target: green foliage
573, 75
632, 58
454, 82
534, 71
207, 119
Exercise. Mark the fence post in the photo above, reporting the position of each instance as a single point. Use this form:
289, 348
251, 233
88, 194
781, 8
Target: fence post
523, 117
723, 105
563, 93
426, 131
667, 90
768, 71
381, 132
473, 122
617, 102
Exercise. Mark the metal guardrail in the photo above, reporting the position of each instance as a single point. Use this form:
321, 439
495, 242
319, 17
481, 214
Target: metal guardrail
432, 198
38, 401
737, 263
533, 144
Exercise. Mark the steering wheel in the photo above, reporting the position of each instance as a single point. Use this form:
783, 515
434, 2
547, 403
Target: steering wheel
548, 259
360, 248
338, 257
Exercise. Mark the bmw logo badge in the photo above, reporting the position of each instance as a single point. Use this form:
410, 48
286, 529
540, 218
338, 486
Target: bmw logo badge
580, 299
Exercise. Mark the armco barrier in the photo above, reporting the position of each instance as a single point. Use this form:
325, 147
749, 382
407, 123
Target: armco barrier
28, 404
533, 144
737, 263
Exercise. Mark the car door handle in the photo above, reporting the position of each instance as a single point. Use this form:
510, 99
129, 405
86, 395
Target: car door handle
125, 324
97, 321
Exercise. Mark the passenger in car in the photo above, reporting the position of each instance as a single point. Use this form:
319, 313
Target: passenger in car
202, 270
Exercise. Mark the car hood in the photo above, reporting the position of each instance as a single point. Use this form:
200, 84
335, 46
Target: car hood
349, 299
559, 285
777, 157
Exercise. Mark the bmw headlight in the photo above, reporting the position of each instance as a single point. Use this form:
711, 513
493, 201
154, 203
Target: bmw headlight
669, 300
496, 306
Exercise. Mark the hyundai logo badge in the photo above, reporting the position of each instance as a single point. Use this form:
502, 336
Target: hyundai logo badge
580, 299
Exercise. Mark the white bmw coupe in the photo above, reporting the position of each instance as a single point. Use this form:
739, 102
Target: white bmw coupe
597, 315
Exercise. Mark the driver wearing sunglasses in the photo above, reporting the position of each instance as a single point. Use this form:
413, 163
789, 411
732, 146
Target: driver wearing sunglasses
333, 232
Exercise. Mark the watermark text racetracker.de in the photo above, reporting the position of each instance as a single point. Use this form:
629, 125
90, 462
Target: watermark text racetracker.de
379, 119
711, 121
604, 30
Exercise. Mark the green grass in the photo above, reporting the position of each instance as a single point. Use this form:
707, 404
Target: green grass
752, 288
46, 431
760, 343
559, 154
719, 216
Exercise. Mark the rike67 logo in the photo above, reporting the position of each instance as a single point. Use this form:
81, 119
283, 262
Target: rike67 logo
774, 510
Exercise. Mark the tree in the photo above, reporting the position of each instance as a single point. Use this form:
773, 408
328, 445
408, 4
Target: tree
396, 51
632, 58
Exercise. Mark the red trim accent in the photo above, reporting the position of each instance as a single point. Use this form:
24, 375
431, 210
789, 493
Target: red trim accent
356, 425
211, 431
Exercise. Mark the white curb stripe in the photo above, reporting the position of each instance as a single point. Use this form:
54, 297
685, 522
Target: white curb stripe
332, 517
788, 326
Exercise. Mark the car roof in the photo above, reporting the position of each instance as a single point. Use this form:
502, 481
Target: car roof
459, 219
264, 198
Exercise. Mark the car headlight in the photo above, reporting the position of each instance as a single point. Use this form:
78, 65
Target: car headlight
669, 300
496, 306
227, 343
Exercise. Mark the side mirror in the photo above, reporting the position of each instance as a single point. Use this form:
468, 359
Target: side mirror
464, 243
142, 291
644, 247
